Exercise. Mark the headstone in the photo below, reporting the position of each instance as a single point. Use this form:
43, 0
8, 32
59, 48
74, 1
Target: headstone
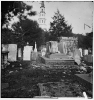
27, 52
85, 52
35, 49
81, 51
12, 48
43, 51
77, 55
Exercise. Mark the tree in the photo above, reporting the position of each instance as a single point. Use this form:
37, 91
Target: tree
24, 30
59, 27
13, 9
89, 40
85, 42
9, 9
81, 38
28, 31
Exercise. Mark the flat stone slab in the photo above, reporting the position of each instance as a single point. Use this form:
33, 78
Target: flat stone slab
57, 61
85, 77
60, 56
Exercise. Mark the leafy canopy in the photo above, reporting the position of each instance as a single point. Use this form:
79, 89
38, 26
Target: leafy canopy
59, 27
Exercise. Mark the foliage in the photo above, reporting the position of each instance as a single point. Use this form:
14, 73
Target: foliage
14, 8
59, 27
85, 42
22, 31
89, 40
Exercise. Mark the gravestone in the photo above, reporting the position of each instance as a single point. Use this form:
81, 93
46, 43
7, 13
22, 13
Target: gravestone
43, 51
27, 52
85, 52
35, 49
77, 56
81, 51
12, 48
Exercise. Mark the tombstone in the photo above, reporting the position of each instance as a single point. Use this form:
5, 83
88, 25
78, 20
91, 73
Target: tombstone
81, 51
27, 52
12, 48
54, 47
35, 49
43, 51
85, 52
76, 56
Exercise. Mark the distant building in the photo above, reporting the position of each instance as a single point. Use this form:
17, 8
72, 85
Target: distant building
42, 19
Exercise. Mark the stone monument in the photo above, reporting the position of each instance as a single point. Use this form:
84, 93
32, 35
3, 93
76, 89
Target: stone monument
12, 55
27, 52
77, 56
35, 49
54, 56
34, 54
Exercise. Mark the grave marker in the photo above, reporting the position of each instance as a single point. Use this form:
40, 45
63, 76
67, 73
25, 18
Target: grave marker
27, 52
12, 48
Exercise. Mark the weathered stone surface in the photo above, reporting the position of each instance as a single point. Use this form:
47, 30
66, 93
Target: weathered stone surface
12, 48
77, 56
27, 52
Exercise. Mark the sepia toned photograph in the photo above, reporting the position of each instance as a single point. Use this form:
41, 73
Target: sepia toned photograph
47, 49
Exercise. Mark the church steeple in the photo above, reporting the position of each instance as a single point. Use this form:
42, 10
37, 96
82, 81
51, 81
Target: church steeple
42, 13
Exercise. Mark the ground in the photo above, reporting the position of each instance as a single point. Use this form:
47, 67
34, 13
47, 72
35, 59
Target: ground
24, 79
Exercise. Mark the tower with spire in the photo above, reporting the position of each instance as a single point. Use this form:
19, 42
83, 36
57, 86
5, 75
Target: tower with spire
42, 20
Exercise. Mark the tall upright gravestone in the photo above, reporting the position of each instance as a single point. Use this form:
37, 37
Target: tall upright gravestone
12, 55
27, 52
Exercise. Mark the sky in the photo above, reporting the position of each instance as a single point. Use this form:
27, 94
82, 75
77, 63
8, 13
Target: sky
76, 13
